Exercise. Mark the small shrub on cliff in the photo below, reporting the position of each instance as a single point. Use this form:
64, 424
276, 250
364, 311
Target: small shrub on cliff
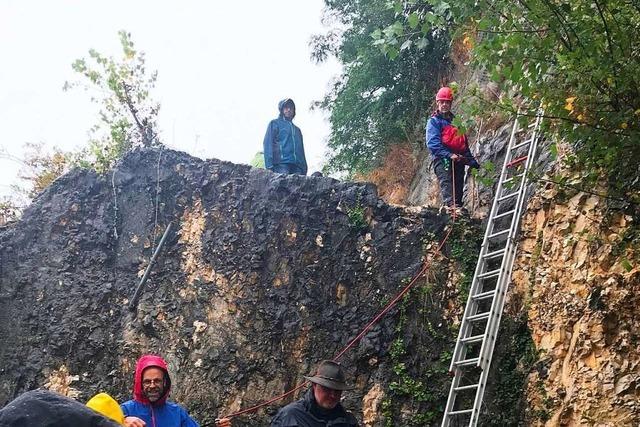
128, 114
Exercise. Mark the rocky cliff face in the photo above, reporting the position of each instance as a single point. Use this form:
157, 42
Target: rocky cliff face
262, 276
572, 325
580, 294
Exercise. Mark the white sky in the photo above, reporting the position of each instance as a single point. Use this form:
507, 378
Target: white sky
222, 68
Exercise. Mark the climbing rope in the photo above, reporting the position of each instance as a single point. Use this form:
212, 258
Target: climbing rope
354, 341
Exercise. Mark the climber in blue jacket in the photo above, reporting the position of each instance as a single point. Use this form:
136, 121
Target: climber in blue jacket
283, 147
450, 151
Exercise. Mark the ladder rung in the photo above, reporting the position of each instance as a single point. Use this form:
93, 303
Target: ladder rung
460, 412
522, 144
499, 233
491, 273
467, 362
473, 339
504, 214
513, 178
508, 196
480, 316
498, 245
516, 161
466, 387
494, 254
484, 295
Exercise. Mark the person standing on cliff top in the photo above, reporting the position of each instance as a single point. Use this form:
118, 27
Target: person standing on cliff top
283, 147
320, 405
149, 406
450, 151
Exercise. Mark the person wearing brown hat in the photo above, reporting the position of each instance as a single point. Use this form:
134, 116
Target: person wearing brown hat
320, 405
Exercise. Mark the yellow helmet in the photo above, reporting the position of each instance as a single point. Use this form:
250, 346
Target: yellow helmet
107, 406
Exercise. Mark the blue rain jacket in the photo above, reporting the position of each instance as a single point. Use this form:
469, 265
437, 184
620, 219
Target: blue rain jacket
167, 414
283, 142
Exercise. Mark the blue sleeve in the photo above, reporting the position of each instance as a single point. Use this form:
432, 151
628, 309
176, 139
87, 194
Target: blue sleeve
186, 420
303, 162
126, 408
434, 139
268, 147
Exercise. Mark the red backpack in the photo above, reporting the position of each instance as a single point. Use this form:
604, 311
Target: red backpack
453, 139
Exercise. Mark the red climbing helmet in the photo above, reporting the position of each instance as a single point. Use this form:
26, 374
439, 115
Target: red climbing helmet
444, 94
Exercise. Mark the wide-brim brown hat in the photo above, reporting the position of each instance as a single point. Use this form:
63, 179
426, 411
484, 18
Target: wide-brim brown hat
331, 375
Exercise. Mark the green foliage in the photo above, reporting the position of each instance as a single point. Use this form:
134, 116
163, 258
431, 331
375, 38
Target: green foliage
465, 242
375, 102
258, 160
579, 60
38, 169
41, 168
486, 174
421, 384
122, 89
357, 217
516, 356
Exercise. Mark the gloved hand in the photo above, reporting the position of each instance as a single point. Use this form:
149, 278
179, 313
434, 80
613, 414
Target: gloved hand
474, 164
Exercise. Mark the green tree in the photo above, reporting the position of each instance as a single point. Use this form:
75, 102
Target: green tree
41, 168
128, 114
579, 60
376, 102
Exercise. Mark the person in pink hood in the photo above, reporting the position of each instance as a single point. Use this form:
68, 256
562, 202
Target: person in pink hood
150, 407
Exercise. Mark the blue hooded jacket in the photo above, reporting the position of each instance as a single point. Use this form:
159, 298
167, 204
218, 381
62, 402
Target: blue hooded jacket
283, 141
161, 413
435, 128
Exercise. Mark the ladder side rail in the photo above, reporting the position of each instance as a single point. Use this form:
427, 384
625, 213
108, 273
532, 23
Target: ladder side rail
503, 280
488, 232
451, 400
468, 311
503, 174
477, 403
497, 304
483, 249
496, 309
471, 305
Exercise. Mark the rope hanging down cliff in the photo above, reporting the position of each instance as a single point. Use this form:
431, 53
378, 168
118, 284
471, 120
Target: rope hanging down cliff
380, 315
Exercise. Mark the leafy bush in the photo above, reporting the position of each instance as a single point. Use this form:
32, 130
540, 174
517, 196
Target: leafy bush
128, 115
375, 102
579, 60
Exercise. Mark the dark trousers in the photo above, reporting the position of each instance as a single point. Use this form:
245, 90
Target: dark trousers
449, 172
289, 168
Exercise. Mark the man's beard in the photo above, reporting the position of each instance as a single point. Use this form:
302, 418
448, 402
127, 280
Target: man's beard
154, 395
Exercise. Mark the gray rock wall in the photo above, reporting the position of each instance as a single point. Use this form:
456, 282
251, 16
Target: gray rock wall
263, 276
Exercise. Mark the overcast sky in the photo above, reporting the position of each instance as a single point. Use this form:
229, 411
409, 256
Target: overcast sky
222, 68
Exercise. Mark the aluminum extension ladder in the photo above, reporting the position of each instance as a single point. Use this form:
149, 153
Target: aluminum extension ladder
481, 320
